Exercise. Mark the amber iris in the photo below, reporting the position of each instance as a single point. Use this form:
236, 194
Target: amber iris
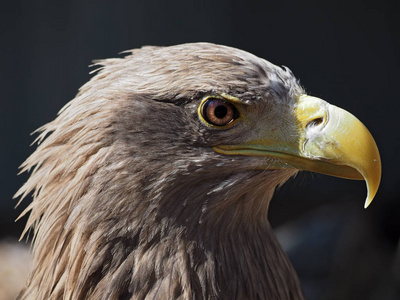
218, 112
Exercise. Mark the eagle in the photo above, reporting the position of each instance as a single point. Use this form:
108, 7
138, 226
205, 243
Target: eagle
154, 182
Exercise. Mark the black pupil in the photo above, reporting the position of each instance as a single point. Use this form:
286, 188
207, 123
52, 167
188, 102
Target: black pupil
220, 111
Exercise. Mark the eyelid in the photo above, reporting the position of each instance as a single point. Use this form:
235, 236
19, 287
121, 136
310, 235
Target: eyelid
233, 99
225, 97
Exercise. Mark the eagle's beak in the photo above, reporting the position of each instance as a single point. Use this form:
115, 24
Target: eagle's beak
325, 139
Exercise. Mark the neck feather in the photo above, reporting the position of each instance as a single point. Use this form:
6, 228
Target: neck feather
128, 247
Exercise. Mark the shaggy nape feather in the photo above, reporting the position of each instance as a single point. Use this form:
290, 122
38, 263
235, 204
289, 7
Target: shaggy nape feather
131, 202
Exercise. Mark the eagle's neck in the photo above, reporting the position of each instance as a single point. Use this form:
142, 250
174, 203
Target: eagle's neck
246, 264
217, 248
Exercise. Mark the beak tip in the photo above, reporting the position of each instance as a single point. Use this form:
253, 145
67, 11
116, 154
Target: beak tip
368, 201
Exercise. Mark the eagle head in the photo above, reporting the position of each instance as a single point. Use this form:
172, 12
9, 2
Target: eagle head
154, 182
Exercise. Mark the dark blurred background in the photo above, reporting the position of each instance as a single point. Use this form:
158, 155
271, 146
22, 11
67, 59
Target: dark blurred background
345, 52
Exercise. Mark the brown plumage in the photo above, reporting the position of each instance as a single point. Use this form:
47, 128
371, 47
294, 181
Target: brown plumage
130, 201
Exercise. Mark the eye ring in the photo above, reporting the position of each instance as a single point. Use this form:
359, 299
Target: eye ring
218, 112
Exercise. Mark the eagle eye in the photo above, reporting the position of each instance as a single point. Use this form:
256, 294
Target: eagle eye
218, 112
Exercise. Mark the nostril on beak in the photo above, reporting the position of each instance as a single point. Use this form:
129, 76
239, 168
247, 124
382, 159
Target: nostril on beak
315, 122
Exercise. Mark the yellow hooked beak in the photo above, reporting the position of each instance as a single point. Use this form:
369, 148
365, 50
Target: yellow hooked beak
324, 139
